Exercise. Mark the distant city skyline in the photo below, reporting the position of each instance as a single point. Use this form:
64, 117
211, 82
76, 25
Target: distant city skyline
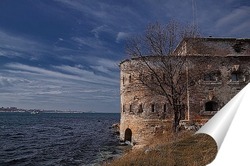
15, 109
64, 55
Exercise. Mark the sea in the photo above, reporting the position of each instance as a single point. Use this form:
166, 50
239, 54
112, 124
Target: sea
51, 139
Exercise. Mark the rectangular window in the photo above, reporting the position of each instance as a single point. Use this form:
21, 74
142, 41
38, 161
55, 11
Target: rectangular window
209, 77
235, 77
153, 108
129, 79
140, 110
130, 108
164, 108
152, 77
123, 108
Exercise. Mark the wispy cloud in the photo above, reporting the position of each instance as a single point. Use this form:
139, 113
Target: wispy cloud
122, 36
236, 22
99, 29
71, 84
12, 45
88, 41
76, 73
235, 17
106, 66
224, 18
88, 76
108, 14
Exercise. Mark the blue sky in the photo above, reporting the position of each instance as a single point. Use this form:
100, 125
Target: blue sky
64, 54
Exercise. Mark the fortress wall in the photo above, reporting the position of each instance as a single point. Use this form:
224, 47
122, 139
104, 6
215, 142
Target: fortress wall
223, 88
146, 113
142, 129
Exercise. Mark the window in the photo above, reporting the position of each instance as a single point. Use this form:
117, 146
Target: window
210, 77
152, 108
165, 108
238, 47
152, 77
211, 106
140, 110
130, 108
123, 108
235, 76
129, 80
123, 80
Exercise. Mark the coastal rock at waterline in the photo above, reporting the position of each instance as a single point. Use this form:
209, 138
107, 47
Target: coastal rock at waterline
116, 128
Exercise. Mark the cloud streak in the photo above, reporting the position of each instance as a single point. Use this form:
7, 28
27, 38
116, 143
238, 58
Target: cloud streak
64, 83
236, 16
76, 73
14, 46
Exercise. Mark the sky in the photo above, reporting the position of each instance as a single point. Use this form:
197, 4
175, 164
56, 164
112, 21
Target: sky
65, 54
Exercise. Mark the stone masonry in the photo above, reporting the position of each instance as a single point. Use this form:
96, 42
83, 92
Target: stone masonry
144, 113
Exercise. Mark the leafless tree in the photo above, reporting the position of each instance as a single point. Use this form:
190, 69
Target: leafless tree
165, 74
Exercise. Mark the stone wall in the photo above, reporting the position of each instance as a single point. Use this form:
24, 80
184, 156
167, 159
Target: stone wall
233, 74
145, 113
142, 129
214, 47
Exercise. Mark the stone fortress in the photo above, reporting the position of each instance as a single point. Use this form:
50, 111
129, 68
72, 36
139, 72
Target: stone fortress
144, 114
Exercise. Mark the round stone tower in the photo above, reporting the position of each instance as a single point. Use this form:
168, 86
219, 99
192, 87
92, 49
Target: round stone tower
143, 113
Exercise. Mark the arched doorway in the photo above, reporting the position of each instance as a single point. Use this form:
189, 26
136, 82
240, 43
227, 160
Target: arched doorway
128, 135
211, 106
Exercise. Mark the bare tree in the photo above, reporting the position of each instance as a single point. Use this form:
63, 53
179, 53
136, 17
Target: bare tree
165, 74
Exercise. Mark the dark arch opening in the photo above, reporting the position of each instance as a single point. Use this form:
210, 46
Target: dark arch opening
211, 106
128, 135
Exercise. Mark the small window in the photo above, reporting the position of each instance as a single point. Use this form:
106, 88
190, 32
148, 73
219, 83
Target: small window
123, 80
140, 109
211, 106
123, 108
209, 77
129, 79
165, 108
152, 108
238, 47
235, 76
130, 108
152, 77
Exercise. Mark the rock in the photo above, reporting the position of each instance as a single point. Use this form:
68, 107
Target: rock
128, 143
116, 128
189, 126
122, 144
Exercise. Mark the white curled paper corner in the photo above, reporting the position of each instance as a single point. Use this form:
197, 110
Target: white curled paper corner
230, 128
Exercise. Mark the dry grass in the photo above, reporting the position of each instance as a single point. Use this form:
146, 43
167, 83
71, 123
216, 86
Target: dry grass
183, 149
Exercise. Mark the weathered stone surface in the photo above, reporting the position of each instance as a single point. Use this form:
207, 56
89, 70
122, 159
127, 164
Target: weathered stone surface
144, 113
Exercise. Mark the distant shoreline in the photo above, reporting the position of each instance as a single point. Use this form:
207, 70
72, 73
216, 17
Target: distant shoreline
51, 111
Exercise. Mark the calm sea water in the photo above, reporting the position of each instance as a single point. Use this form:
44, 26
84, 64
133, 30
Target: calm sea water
57, 139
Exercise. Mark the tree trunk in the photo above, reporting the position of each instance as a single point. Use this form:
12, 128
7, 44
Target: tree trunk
177, 116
